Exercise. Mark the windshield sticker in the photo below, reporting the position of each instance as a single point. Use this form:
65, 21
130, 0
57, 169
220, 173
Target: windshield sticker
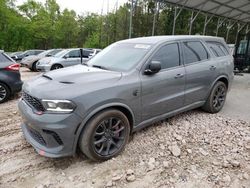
142, 46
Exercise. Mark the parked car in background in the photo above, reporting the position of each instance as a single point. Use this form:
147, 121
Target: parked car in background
31, 61
10, 80
65, 58
19, 57
126, 87
242, 53
14, 54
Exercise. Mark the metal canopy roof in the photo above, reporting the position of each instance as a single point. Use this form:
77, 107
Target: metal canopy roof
238, 10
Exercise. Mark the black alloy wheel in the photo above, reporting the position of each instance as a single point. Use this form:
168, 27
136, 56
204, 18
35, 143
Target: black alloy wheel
105, 135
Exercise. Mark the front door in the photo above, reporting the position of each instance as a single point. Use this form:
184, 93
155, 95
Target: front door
73, 58
163, 92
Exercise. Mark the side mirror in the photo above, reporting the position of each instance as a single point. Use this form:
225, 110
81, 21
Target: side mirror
153, 67
66, 56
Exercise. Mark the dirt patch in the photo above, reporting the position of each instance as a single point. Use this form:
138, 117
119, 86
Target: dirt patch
194, 149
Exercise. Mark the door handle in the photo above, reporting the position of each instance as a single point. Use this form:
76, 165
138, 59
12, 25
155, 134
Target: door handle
212, 67
179, 76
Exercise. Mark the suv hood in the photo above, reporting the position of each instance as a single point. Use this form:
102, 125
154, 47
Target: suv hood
80, 74
73, 80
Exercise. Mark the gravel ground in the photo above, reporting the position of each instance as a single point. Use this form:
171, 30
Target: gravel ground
194, 149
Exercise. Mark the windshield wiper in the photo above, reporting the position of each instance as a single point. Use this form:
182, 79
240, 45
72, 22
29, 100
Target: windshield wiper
100, 67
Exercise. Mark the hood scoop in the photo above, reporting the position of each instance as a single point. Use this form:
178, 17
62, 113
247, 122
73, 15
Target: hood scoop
66, 82
45, 76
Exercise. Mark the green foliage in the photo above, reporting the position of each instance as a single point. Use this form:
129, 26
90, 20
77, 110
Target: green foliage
36, 25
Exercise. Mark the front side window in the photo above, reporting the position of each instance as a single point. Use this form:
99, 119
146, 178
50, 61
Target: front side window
194, 51
74, 54
168, 55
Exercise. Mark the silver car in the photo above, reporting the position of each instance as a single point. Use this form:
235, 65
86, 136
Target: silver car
65, 58
31, 61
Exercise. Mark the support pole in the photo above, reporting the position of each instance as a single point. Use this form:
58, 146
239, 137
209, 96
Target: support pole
131, 18
191, 23
176, 15
229, 27
239, 28
207, 20
219, 24
205, 26
192, 19
155, 14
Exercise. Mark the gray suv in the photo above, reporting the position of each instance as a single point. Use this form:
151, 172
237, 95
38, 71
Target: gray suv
126, 87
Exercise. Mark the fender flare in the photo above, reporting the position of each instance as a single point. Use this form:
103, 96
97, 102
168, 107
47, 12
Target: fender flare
95, 111
216, 80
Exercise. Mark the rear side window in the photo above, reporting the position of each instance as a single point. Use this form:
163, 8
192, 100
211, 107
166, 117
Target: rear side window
194, 51
218, 49
4, 58
168, 56
86, 53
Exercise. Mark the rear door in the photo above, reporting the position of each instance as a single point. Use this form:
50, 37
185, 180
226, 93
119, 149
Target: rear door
200, 71
163, 92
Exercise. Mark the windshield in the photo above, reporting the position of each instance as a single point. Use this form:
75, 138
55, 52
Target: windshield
53, 52
43, 54
62, 53
120, 57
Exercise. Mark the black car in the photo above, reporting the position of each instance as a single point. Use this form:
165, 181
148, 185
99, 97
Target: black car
10, 79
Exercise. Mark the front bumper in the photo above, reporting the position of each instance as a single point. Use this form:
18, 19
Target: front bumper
52, 135
43, 68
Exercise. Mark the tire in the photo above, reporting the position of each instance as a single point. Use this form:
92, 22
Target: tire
99, 141
4, 93
56, 66
34, 66
216, 99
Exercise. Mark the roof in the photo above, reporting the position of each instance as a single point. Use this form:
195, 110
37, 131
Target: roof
238, 10
157, 39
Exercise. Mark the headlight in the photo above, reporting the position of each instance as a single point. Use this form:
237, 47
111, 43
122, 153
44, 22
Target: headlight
59, 106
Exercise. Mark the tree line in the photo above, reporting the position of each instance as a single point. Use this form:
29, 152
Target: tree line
34, 25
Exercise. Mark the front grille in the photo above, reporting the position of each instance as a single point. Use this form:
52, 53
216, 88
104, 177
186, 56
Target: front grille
37, 136
34, 102
55, 136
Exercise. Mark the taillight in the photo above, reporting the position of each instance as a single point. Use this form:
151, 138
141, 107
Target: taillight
13, 67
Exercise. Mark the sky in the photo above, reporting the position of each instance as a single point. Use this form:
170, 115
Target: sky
84, 6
